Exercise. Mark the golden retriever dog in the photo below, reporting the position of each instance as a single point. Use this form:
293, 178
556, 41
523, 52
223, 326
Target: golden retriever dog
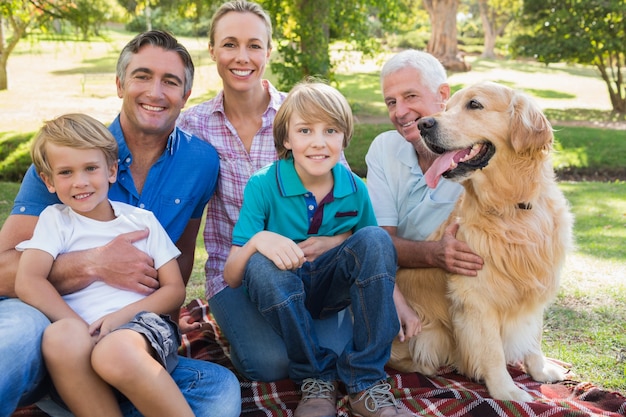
496, 142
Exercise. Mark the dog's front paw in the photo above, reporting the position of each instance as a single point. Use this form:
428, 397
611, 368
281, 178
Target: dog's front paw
508, 392
550, 372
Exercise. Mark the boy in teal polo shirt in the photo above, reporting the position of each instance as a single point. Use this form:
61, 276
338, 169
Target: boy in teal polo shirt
289, 206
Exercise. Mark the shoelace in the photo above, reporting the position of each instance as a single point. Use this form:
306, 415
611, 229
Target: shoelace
316, 388
381, 396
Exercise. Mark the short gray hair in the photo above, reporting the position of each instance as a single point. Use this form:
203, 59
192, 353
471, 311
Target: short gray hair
433, 73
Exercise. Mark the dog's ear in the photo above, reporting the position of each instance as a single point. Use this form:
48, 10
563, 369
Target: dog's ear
530, 129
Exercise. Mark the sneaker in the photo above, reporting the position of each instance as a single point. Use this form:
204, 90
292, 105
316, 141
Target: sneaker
376, 401
319, 399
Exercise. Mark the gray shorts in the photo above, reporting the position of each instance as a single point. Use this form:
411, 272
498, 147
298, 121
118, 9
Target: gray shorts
161, 333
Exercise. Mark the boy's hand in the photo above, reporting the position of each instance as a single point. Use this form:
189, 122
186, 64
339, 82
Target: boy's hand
410, 323
106, 324
317, 245
284, 252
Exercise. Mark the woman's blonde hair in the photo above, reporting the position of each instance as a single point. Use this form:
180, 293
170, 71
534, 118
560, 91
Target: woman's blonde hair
74, 130
313, 101
241, 6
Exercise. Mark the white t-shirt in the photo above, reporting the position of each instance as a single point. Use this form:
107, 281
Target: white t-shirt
399, 192
60, 230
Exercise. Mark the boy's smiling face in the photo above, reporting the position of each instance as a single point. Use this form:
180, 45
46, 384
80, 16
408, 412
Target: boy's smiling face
316, 147
81, 179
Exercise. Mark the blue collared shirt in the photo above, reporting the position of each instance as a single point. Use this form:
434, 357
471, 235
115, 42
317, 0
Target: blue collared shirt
177, 187
275, 199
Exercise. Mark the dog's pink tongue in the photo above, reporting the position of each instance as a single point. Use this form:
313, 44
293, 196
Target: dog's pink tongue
441, 165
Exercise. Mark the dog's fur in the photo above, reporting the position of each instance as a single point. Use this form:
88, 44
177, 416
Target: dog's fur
515, 217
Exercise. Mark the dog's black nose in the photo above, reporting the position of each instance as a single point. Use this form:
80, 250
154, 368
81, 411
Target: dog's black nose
426, 123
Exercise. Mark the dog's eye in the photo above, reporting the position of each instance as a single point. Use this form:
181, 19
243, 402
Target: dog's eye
474, 104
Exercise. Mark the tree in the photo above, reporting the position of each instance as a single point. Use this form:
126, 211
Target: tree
304, 29
586, 32
22, 16
495, 16
443, 36
16, 15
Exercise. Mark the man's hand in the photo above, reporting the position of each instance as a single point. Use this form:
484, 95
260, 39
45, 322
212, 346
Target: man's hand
455, 256
120, 264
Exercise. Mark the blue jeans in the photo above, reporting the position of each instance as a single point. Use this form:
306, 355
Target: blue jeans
256, 350
210, 389
361, 273
22, 371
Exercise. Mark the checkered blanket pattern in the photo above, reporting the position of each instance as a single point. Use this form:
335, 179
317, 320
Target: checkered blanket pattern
446, 394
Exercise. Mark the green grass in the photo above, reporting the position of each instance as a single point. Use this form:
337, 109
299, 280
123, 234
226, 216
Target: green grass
585, 147
600, 213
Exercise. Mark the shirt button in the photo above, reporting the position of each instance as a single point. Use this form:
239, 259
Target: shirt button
311, 207
128, 160
22, 209
177, 201
142, 205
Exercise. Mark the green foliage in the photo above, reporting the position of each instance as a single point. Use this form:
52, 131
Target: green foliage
413, 39
586, 32
174, 20
305, 28
14, 155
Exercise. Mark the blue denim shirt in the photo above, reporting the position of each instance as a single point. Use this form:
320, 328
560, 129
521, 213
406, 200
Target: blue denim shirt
177, 187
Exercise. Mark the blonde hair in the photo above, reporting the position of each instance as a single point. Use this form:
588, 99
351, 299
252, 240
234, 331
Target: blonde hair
313, 101
241, 6
74, 130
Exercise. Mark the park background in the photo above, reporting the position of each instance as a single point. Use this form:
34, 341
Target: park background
50, 73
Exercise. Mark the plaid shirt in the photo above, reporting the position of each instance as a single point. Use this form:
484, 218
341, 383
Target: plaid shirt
208, 121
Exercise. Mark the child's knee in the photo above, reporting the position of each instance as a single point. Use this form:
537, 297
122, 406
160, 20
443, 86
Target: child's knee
66, 338
374, 240
117, 353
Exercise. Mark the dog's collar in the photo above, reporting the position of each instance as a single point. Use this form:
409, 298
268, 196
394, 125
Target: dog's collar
524, 206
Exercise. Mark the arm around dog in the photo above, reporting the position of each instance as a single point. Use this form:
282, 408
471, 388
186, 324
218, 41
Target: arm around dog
449, 254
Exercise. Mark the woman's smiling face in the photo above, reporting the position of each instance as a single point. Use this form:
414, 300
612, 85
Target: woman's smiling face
240, 50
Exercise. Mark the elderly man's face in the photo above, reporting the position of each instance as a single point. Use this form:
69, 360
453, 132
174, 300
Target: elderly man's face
408, 99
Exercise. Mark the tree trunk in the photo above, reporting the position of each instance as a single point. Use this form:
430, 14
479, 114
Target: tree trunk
4, 84
489, 28
7, 45
611, 73
314, 37
443, 36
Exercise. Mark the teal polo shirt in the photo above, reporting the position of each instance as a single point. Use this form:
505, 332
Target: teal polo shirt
275, 200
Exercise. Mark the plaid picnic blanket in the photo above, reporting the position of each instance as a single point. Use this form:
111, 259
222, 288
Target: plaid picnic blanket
446, 394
